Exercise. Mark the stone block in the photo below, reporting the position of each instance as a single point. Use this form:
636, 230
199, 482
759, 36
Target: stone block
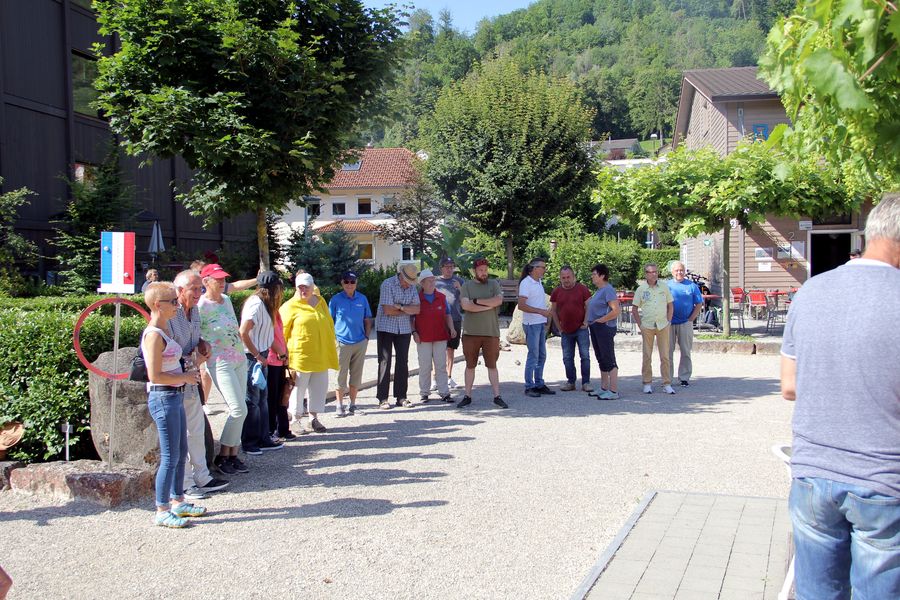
134, 437
7, 467
87, 480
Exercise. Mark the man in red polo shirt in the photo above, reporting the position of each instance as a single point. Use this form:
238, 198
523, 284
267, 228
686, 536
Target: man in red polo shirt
568, 308
432, 328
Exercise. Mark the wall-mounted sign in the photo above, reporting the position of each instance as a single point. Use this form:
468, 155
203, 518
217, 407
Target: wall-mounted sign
764, 253
805, 225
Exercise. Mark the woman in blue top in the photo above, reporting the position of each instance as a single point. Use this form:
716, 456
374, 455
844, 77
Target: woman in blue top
603, 309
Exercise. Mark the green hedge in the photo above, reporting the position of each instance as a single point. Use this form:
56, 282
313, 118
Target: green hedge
622, 258
42, 382
662, 257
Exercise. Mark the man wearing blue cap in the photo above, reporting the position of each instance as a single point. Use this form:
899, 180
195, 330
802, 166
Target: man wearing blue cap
352, 323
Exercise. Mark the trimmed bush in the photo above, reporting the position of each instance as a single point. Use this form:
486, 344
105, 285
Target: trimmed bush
662, 257
42, 382
622, 258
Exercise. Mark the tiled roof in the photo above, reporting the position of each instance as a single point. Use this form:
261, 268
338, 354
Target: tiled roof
735, 83
379, 168
350, 226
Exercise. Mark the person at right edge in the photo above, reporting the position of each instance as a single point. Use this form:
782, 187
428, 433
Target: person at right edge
841, 368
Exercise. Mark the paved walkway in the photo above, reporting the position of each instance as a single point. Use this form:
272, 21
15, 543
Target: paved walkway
696, 547
431, 501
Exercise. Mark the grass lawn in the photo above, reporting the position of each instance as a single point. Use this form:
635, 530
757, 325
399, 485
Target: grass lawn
653, 145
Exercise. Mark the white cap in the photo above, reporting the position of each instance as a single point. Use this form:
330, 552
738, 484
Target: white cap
425, 275
305, 279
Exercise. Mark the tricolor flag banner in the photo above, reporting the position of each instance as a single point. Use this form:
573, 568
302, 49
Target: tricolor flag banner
117, 262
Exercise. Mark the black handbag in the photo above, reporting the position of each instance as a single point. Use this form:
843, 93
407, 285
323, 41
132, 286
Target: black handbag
138, 370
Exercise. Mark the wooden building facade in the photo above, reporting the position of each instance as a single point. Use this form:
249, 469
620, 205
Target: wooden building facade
49, 132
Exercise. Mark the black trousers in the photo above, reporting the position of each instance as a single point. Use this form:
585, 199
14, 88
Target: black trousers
278, 414
389, 343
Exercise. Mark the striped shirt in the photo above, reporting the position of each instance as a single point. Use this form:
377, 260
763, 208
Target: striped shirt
392, 293
263, 333
184, 330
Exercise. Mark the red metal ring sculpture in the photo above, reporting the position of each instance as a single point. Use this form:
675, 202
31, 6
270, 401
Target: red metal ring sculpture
76, 338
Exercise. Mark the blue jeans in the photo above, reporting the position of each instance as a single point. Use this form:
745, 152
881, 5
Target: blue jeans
583, 338
167, 410
845, 536
536, 340
256, 426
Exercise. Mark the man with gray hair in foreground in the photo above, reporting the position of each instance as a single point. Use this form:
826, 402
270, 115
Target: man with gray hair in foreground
841, 368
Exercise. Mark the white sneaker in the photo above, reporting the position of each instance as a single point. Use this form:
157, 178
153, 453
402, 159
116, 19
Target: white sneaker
668, 389
433, 387
195, 493
648, 389
452, 384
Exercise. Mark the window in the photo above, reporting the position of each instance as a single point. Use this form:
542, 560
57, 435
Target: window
406, 253
366, 251
351, 166
313, 209
84, 72
338, 208
365, 206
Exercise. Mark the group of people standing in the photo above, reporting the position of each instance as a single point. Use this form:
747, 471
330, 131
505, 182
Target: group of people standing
664, 313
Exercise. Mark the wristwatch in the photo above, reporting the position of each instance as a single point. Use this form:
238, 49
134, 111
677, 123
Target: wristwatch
475, 302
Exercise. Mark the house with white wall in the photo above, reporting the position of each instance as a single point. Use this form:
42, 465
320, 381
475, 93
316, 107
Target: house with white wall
354, 198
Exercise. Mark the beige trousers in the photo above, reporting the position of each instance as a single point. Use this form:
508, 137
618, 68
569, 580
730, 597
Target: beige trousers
662, 345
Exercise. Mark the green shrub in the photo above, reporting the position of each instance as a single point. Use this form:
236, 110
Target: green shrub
661, 256
622, 258
42, 382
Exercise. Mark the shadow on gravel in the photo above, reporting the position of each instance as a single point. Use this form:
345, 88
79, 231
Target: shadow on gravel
44, 515
705, 394
343, 508
403, 433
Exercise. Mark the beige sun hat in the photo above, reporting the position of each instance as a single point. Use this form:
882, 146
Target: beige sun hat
10, 434
409, 272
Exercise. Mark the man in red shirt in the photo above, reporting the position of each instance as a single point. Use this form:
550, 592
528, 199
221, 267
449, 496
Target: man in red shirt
432, 328
568, 309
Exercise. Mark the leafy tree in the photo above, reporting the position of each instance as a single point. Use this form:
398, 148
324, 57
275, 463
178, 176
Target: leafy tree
450, 243
259, 98
837, 68
698, 192
507, 150
416, 212
99, 203
14, 248
324, 257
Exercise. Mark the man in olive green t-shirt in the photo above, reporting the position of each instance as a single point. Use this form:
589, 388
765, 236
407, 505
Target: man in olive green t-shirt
655, 302
480, 298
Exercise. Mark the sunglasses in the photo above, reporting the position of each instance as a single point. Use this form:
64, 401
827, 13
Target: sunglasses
172, 301
350, 281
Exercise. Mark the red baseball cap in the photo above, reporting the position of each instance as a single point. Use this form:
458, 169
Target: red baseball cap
480, 261
215, 271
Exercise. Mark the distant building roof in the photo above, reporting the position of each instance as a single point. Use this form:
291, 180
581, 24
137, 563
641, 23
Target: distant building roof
349, 225
735, 83
376, 168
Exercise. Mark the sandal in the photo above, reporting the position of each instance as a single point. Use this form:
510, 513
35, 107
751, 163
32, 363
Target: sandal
186, 509
170, 520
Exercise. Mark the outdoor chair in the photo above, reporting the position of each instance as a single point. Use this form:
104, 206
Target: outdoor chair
757, 303
737, 307
776, 313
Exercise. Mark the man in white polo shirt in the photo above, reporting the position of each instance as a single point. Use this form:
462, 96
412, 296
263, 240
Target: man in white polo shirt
535, 312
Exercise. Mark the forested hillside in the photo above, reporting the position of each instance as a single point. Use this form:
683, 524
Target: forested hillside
626, 56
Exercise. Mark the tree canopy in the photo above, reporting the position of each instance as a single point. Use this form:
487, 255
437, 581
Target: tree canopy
259, 98
837, 68
508, 150
695, 192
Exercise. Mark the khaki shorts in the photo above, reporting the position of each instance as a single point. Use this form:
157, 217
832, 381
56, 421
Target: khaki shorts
350, 362
488, 345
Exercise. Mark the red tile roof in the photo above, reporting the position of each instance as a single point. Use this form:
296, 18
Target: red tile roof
350, 226
379, 168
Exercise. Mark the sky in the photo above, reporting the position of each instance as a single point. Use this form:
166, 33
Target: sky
466, 13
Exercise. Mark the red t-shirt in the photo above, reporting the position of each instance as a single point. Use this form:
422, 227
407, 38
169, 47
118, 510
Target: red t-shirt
431, 322
570, 306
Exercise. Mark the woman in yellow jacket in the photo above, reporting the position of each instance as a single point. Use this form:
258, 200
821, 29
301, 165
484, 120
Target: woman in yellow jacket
312, 348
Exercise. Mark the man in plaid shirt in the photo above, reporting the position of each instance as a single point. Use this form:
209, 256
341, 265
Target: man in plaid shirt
393, 326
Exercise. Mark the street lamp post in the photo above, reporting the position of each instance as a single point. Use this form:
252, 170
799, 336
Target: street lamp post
655, 137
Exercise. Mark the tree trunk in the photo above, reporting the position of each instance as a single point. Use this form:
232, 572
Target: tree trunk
262, 238
510, 259
726, 279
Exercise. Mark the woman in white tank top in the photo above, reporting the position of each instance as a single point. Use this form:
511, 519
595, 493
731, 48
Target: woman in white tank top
165, 403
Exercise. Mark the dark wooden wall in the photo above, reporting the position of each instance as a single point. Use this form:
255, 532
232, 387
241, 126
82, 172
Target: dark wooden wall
41, 136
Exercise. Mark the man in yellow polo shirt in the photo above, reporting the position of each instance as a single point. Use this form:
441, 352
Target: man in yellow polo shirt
653, 319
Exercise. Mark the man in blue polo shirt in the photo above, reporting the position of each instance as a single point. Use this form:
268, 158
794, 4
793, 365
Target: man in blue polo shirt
352, 324
688, 301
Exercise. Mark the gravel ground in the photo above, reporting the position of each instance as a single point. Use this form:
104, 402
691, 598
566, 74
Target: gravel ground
431, 501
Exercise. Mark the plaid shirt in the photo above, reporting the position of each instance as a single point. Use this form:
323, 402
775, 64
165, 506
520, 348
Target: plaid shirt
392, 293
185, 332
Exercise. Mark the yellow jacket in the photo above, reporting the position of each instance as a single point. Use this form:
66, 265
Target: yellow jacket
309, 333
